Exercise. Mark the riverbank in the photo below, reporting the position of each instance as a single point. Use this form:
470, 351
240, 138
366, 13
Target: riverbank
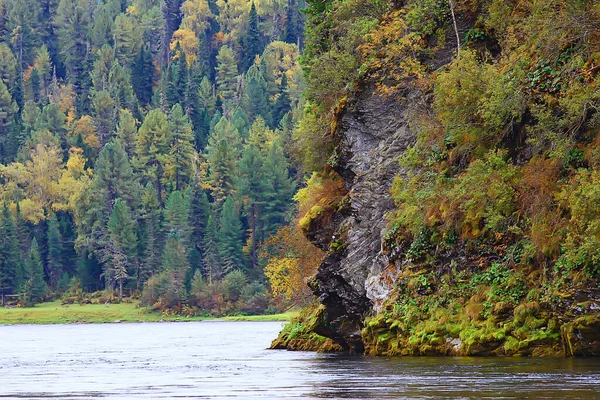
57, 313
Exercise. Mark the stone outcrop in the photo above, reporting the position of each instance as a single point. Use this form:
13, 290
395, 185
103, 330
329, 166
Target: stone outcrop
353, 281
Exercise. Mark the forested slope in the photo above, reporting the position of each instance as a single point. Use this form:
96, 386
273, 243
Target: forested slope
455, 150
144, 146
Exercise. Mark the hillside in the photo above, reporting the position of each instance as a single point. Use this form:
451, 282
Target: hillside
457, 178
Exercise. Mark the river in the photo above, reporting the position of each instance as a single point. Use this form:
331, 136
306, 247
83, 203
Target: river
228, 360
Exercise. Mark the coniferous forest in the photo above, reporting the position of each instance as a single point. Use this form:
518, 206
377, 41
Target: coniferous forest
144, 148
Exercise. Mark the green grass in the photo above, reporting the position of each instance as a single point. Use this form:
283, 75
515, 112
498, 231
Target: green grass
57, 313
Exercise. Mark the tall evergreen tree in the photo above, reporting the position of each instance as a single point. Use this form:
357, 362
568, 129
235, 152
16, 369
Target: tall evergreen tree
210, 251
142, 78
222, 155
127, 132
282, 104
151, 234
177, 214
34, 285
227, 74
71, 26
231, 235
179, 159
251, 43
256, 96
152, 145
198, 219
121, 252
10, 255
55, 250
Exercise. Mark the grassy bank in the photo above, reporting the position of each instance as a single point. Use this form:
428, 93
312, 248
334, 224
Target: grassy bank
57, 313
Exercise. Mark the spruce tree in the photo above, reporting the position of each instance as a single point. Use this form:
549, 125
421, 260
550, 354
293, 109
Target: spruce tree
151, 234
231, 235
179, 159
177, 213
222, 156
256, 96
10, 255
55, 250
292, 23
210, 251
142, 77
34, 285
152, 145
104, 115
127, 132
121, 253
251, 42
198, 219
282, 104
226, 75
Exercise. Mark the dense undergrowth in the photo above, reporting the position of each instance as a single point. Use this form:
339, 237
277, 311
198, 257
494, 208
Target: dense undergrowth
496, 235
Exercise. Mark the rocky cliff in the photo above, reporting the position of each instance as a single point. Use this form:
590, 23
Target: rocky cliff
354, 280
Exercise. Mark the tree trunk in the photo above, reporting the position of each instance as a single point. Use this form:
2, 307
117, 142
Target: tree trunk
120, 290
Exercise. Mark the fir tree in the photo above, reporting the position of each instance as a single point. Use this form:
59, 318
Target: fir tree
34, 285
10, 255
142, 77
55, 250
127, 132
121, 252
177, 213
226, 75
152, 145
282, 104
151, 234
230, 239
210, 251
251, 42
222, 155
180, 156
256, 96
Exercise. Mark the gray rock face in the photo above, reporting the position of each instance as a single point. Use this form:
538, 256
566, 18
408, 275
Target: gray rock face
355, 280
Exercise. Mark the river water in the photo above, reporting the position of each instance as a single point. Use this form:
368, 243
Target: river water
228, 360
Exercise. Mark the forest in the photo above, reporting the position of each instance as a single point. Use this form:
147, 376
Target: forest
145, 149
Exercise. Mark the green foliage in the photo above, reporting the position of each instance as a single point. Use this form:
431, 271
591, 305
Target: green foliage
34, 286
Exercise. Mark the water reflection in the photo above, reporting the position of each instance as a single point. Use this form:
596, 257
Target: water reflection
214, 360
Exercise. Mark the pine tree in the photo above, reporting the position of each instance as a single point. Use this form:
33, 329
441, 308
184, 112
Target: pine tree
71, 26
231, 235
151, 234
10, 255
127, 132
210, 251
177, 213
241, 121
55, 250
8, 110
226, 74
222, 155
282, 187
292, 23
34, 285
198, 219
152, 144
104, 115
122, 250
256, 96
282, 104
178, 162
175, 263
120, 89
251, 42
101, 32
142, 78
174, 257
